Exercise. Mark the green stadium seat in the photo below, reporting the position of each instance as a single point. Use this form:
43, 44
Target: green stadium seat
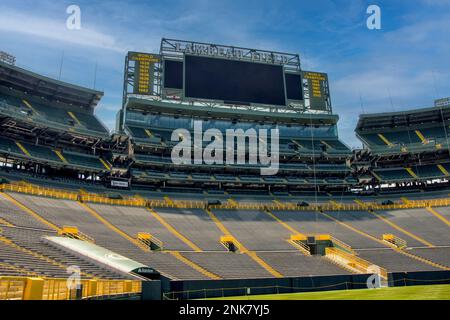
225, 178
402, 137
335, 181
90, 122
351, 180
84, 160
41, 111
151, 159
274, 179
40, 152
330, 167
140, 135
201, 177
315, 181
295, 180
250, 179
9, 146
393, 174
427, 171
178, 176
435, 133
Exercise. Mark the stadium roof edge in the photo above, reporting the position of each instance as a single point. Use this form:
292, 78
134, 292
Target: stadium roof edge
173, 108
91, 96
399, 113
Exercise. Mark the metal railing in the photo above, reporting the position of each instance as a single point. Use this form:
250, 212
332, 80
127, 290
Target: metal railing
396, 241
148, 243
39, 191
359, 263
197, 204
400, 243
56, 289
342, 245
78, 235
302, 246
12, 288
129, 202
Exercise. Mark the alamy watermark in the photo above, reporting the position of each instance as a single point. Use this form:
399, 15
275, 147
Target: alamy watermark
373, 22
74, 280
236, 145
374, 280
73, 21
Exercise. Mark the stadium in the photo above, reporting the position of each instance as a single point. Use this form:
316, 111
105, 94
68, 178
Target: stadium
86, 213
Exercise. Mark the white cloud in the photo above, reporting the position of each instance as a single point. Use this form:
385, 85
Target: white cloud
399, 69
437, 2
335, 41
108, 107
425, 33
376, 84
55, 30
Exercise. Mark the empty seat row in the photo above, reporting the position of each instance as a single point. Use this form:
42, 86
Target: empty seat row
430, 171
45, 154
153, 175
418, 138
52, 115
146, 158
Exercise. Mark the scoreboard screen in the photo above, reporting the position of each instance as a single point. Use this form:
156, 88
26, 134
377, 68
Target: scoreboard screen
173, 74
232, 81
294, 89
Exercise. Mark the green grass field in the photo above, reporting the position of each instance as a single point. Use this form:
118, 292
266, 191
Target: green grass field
430, 292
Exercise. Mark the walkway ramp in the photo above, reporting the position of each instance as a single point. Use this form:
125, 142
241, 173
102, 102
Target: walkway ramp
101, 255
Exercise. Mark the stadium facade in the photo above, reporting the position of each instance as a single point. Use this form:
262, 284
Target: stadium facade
73, 193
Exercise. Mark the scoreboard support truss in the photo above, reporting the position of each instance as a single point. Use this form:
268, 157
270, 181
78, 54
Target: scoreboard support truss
171, 48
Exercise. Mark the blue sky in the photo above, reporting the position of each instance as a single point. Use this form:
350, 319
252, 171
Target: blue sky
404, 65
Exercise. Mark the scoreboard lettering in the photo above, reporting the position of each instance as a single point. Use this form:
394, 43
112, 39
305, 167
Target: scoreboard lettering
143, 72
444, 102
318, 90
315, 80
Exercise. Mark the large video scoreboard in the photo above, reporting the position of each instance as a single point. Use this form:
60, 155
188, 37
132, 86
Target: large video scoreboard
216, 74
233, 81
